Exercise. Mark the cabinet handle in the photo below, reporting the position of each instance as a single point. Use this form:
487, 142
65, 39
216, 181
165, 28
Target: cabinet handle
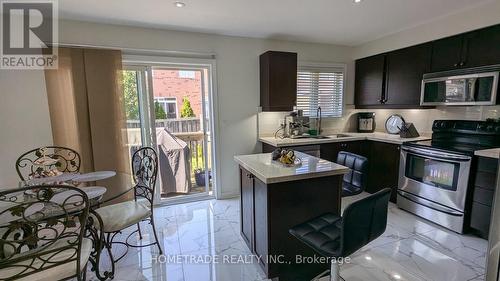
462, 63
455, 65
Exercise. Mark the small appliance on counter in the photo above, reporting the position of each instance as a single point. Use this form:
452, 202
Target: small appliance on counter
366, 122
296, 124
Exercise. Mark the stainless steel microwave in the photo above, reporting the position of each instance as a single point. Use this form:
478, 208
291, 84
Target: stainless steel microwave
467, 89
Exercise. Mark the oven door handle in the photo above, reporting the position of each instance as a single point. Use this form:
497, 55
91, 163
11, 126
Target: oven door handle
430, 204
437, 155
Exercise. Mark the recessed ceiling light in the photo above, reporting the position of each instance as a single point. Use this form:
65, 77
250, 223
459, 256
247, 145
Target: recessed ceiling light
397, 276
179, 4
357, 1
368, 258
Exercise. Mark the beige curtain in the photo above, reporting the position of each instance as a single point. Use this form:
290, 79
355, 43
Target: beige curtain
87, 112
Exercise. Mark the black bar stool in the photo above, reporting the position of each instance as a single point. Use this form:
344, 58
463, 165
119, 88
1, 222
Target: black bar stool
338, 237
354, 182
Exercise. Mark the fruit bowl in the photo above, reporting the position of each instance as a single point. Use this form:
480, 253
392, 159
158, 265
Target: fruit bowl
296, 163
286, 157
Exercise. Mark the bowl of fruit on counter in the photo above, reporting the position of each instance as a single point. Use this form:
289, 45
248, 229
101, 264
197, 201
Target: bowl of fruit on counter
286, 157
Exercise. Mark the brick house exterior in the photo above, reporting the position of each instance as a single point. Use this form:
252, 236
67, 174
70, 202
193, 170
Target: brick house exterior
179, 84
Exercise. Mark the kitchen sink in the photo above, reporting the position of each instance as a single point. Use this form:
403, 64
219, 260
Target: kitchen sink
342, 136
321, 137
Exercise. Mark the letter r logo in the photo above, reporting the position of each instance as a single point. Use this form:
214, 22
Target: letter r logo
27, 27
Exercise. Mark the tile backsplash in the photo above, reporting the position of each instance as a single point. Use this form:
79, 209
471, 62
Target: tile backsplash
268, 122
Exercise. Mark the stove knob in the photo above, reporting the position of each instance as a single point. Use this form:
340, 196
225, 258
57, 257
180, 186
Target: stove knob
482, 127
490, 128
497, 129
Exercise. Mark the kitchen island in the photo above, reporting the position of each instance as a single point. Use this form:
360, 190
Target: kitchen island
274, 198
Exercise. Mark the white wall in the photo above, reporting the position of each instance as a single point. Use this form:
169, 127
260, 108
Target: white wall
480, 16
237, 75
24, 119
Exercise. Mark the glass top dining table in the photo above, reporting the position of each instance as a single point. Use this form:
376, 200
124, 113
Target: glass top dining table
95, 195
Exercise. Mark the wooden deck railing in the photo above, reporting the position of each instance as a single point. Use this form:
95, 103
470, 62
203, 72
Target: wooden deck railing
186, 129
179, 125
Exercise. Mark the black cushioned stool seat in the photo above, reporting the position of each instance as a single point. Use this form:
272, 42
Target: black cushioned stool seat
337, 237
321, 233
354, 182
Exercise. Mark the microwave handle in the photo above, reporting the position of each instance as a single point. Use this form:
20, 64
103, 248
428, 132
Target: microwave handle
472, 88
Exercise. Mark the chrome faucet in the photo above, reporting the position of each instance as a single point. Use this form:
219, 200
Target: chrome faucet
318, 124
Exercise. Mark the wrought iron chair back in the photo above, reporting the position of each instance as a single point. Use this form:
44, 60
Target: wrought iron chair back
68, 161
145, 170
41, 227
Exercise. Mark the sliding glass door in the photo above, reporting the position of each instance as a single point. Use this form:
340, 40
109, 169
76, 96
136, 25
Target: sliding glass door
169, 107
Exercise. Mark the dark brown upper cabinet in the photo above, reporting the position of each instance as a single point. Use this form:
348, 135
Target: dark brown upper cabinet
483, 47
278, 81
447, 53
392, 80
472, 49
369, 82
404, 71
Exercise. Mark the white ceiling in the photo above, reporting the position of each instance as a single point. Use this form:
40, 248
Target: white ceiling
325, 21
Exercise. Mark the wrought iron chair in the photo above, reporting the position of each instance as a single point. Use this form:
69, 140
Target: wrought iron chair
117, 217
42, 233
68, 161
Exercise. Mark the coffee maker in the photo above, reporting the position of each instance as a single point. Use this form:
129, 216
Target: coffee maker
366, 122
296, 124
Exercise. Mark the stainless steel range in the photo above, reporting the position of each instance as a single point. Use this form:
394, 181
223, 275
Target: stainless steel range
434, 175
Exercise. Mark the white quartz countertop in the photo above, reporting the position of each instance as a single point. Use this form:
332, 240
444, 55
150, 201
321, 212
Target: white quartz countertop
268, 171
382, 137
491, 153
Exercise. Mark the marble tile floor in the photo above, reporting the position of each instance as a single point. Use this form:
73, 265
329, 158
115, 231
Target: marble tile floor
200, 239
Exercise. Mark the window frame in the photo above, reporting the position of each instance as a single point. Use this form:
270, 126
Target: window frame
304, 65
164, 101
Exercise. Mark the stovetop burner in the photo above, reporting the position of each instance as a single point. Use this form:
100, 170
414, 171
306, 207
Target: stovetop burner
463, 137
466, 149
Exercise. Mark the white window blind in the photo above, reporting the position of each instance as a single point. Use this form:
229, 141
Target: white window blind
323, 87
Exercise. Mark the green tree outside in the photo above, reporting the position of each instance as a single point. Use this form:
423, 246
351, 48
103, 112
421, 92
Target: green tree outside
159, 111
130, 95
186, 110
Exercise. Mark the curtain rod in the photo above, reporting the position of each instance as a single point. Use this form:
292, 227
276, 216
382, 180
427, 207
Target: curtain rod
140, 51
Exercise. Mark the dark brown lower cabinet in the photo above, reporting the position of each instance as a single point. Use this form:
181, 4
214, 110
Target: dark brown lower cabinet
261, 244
247, 206
483, 190
329, 151
383, 162
268, 211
